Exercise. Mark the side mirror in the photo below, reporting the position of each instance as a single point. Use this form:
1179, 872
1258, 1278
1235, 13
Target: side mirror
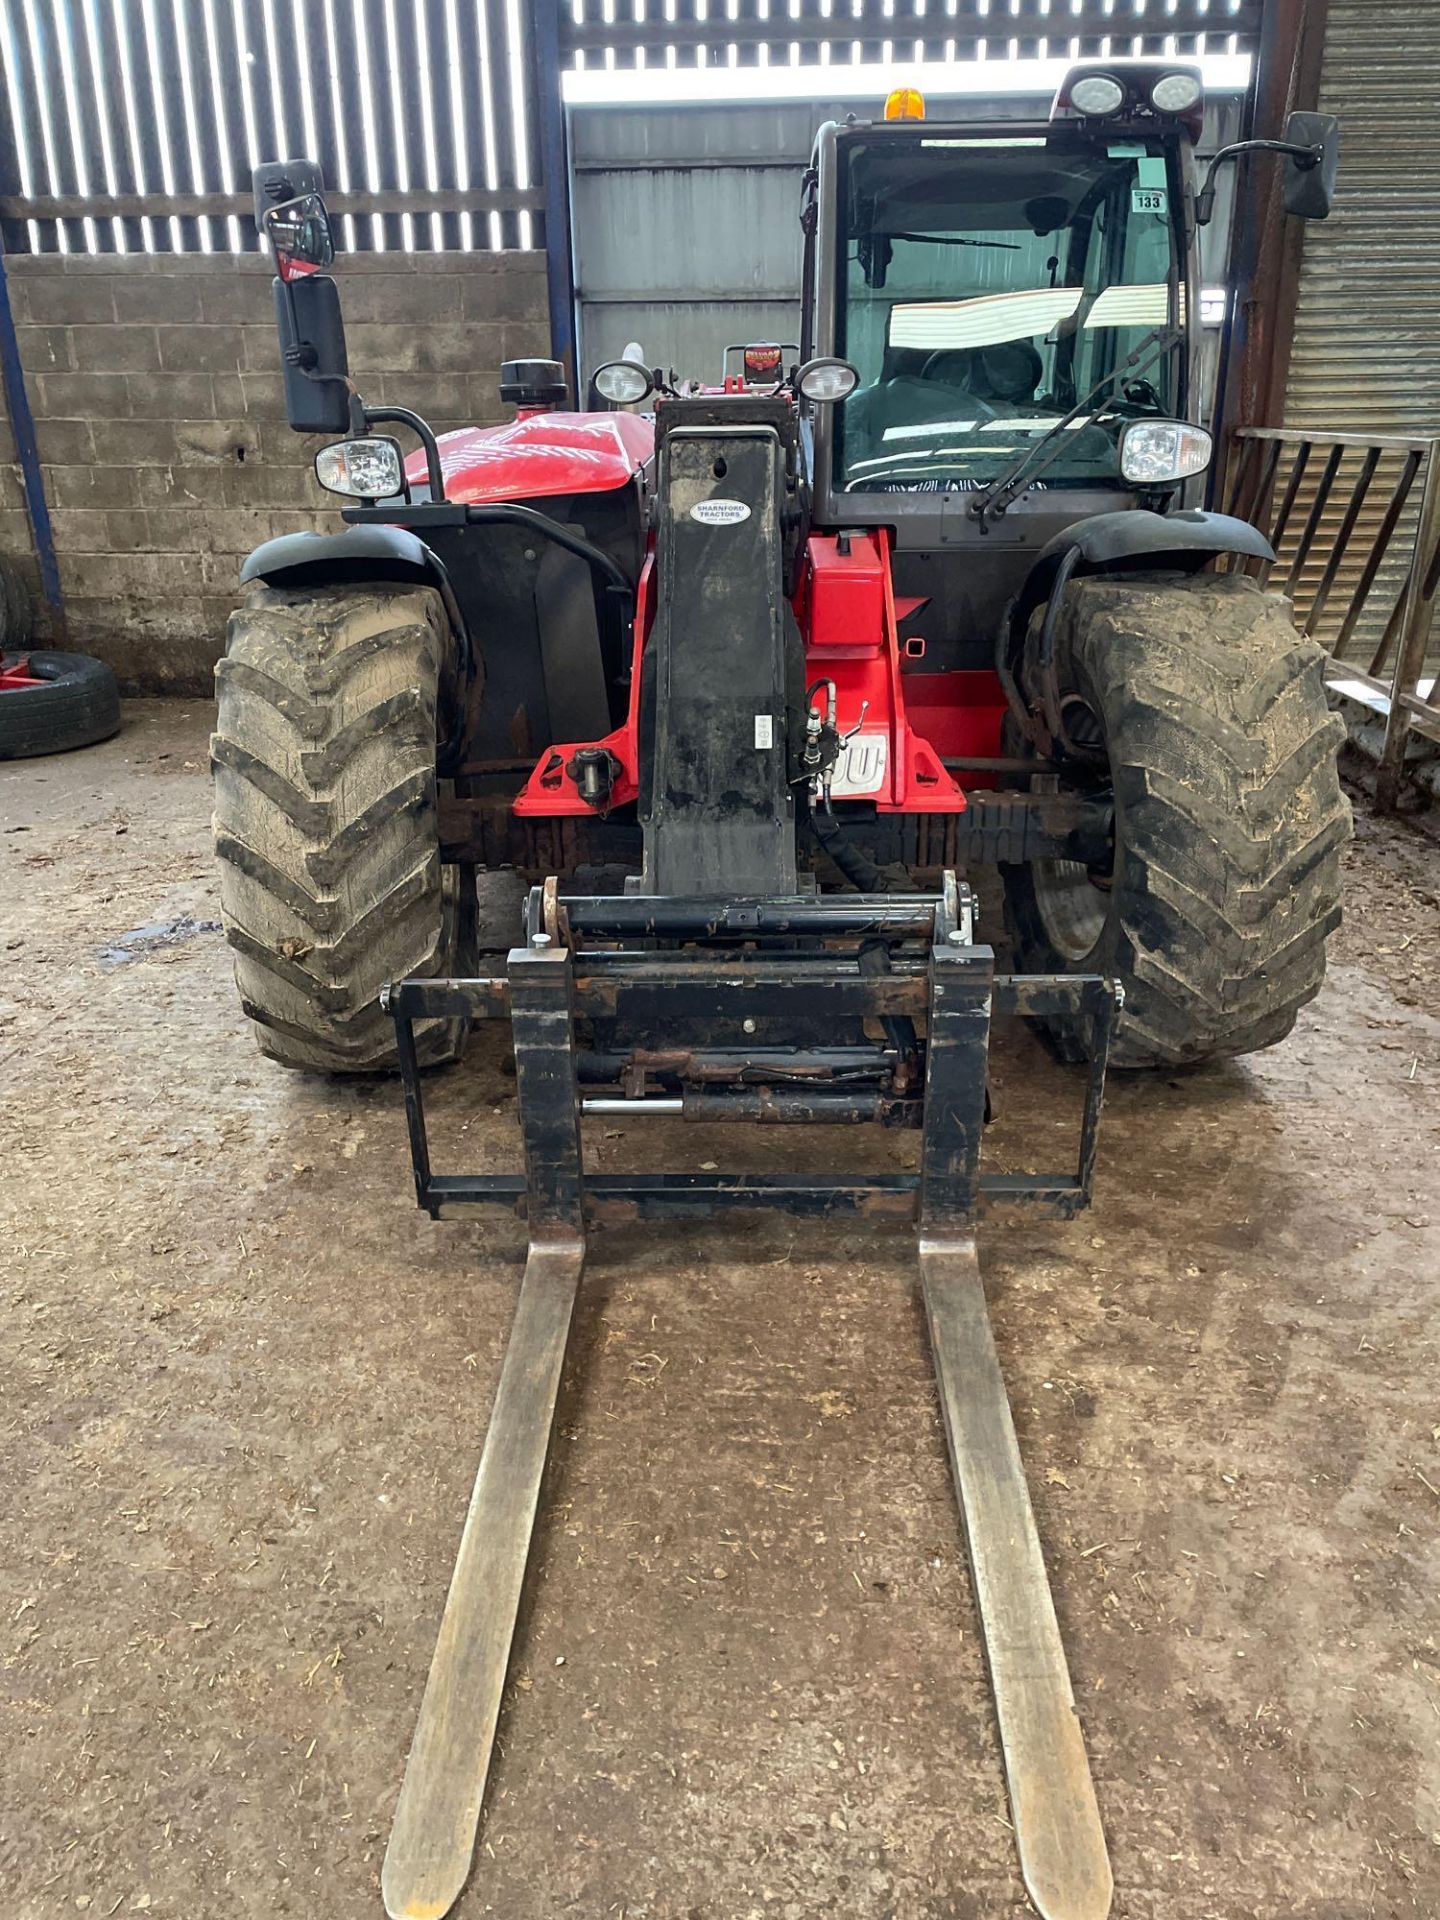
300, 236
1312, 157
1310, 186
291, 214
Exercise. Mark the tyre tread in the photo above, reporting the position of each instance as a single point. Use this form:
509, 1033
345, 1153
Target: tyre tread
326, 817
1233, 817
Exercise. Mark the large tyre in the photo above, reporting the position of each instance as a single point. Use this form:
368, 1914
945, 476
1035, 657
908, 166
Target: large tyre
55, 701
1229, 817
326, 822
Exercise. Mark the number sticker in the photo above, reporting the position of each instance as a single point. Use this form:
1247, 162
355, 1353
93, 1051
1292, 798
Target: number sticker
1149, 200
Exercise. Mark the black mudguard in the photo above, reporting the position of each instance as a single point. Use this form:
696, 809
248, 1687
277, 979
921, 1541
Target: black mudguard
361, 553
1131, 541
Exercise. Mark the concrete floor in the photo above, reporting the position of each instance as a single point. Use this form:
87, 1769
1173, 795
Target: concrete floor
244, 1386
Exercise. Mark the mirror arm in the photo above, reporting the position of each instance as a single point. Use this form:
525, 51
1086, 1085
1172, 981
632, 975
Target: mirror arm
1304, 157
423, 432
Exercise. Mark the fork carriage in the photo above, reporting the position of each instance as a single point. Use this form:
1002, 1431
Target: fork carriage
647, 971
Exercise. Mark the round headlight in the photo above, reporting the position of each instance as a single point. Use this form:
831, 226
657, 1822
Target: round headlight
1098, 94
622, 383
1175, 92
825, 381
369, 469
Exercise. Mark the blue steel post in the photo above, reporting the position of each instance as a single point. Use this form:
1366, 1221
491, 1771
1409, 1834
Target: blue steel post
27, 452
555, 167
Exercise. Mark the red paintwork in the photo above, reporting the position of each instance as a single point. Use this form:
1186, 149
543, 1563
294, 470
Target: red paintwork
842, 595
15, 673
960, 715
541, 453
845, 605
548, 793
846, 609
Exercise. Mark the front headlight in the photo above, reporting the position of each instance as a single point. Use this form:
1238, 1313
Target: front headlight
1157, 453
369, 469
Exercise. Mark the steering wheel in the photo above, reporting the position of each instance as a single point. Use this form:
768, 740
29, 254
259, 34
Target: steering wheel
938, 366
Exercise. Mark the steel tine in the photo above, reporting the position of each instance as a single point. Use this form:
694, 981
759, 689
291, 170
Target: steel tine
431, 1844
1058, 1834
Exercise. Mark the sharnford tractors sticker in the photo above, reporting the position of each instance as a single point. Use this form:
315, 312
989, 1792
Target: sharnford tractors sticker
720, 513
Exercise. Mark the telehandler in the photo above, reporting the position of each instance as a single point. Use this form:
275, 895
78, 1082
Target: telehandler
742, 675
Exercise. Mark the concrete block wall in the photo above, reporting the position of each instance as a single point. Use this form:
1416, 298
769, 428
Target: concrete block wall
155, 385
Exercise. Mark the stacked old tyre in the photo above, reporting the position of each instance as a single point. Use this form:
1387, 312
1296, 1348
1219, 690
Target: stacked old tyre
49, 701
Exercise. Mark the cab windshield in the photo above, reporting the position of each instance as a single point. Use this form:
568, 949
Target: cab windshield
988, 284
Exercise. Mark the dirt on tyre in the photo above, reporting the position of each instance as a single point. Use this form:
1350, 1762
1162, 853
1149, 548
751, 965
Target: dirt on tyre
326, 818
1203, 710
52, 702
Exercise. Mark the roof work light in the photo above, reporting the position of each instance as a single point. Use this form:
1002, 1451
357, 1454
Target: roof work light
905, 103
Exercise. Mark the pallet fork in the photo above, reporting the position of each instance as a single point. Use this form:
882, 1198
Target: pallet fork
646, 964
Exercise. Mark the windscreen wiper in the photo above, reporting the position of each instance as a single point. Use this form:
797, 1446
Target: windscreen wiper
957, 240
1003, 488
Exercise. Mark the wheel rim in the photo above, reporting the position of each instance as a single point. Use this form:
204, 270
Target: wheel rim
1074, 900
1072, 907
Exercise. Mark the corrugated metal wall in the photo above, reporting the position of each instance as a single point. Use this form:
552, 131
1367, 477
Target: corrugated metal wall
687, 228
1367, 339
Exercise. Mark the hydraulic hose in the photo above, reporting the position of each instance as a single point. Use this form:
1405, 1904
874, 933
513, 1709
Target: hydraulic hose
856, 865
